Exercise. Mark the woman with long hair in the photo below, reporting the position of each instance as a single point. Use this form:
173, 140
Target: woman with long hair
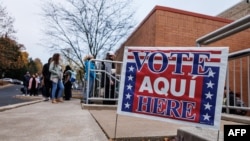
56, 77
33, 85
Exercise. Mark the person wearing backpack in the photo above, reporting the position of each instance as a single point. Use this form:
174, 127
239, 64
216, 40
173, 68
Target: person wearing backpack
240, 103
67, 82
90, 76
234, 100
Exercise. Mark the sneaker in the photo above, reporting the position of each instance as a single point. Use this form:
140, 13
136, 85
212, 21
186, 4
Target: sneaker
23, 95
45, 99
54, 101
59, 100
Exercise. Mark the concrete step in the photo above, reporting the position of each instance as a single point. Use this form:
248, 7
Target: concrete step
236, 118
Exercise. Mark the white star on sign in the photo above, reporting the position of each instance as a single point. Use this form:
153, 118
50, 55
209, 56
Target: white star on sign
211, 73
207, 106
210, 84
131, 68
209, 95
127, 105
129, 87
130, 77
206, 117
128, 96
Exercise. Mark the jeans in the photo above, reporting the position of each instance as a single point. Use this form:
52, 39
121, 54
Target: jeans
88, 88
60, 87
25, 88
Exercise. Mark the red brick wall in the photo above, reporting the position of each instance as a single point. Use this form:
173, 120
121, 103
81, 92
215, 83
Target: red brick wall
178, 29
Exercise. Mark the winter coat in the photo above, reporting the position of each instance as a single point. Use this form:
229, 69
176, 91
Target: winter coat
56, 71
30, 83
91, 65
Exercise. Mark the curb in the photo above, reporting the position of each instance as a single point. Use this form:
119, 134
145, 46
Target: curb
9, 107
160, 138
98, 107
198, 134
236, 118
4, 86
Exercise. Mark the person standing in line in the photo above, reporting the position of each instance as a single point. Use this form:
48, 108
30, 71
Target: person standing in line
56, 77
33, 85
67, 83
26, 79
109, 81
38, 78
89, 77
46, 80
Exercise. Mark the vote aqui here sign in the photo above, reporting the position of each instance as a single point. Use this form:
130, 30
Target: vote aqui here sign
175, 84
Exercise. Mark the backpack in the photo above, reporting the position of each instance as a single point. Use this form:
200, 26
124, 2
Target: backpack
240, 103
234, 101
72, 78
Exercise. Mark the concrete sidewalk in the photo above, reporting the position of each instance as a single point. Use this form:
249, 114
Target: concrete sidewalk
45, 121
67, 121
138, 129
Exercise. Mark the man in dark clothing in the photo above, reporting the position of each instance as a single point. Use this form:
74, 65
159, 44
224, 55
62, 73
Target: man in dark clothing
67, 83
46, 79
109, 92
26, 79
234, 100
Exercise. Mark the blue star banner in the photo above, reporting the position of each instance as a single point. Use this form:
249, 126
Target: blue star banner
174, 84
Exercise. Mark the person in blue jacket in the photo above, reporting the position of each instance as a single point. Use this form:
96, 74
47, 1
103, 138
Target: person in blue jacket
90, 76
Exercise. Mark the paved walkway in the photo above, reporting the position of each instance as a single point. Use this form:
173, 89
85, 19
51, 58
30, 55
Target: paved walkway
44, 121
50, 122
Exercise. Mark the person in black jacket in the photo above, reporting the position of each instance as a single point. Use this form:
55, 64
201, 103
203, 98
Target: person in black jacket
67, 83
109, 82
46, 80
231, 100
26, 79
234, 100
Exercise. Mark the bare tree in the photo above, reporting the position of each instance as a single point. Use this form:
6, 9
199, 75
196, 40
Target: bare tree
6, 22
78, 27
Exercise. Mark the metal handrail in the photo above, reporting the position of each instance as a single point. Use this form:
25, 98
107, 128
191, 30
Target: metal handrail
106, 74
233, 56
225, 31
239, 54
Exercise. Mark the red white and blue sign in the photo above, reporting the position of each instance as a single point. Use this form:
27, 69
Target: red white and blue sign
177, 84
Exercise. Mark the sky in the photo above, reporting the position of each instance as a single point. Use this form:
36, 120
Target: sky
29, 24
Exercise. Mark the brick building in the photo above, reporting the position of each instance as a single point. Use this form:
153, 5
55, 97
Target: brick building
237, 11
170, 27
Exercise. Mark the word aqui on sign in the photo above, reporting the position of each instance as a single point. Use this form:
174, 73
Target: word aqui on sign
183, 84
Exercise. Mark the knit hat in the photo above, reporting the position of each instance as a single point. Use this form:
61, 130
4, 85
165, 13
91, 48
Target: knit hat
111, 53
87, 57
